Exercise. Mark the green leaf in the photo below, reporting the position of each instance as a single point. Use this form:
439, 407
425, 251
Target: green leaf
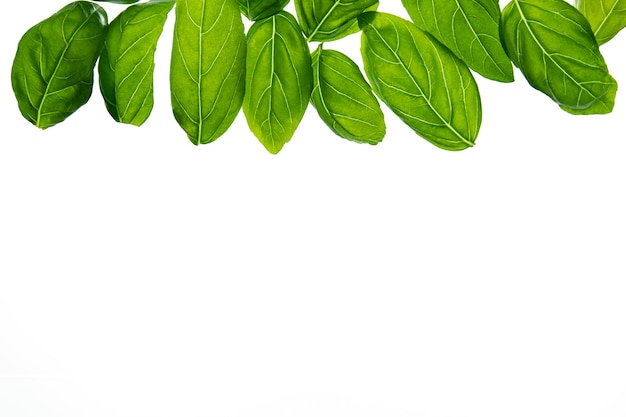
126, 66
429, 88
279, 80
327, 20
118, 1
470, 28
553, 45
208, 67
607, 17
344, 100
260, 9
52, 74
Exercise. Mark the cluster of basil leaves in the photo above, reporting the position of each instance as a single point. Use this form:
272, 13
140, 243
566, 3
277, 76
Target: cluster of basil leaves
419, 69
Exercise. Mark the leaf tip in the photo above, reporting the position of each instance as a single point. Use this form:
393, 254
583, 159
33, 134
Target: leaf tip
274, 150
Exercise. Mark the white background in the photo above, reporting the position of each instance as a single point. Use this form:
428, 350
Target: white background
142, 276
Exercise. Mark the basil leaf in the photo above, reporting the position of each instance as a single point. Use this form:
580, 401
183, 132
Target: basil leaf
118, 1
607, 17
552, 44
470, 28
429, 88
126, 66
344, 100
260, 9
279, 80
327, 20
208, 67
52, 74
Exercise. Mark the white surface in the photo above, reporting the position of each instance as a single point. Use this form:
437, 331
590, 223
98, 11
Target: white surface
142, 276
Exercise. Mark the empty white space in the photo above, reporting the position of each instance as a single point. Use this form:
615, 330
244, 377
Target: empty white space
141, 276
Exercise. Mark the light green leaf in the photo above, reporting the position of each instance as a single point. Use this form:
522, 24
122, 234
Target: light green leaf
279, 80
429, 88
118, 1
260, 9
470, 28
52, 74
344, 100
208, 67
607, 17
553, 45
327, 20
126, 66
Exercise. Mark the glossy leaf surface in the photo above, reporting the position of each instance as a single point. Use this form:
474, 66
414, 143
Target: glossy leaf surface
422, 82
53, 70
118, 1
470, 29
344, 100
208, 67
279, 80
553, 45
607, 17
260, 9
327, 20
126, 66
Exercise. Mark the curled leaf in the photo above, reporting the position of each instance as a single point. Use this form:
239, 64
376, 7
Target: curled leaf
551, 42
126, 66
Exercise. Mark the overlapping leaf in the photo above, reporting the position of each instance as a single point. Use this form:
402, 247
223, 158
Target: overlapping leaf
327, 20
53, 70
470, 28
208, 67
428, 87
553, 45
344, 100
279, 80
126, 66
607, 17
260, 9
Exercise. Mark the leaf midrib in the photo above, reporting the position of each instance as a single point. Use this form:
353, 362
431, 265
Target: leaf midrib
326, 16
606, 17
200, 50
271, 83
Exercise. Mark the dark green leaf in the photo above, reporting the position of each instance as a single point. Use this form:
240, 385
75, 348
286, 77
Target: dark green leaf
553, 45
260, 9
327, 20
279, 80
126, 66
470, 28
344, 100
607, 17
208, 67
52, 73
428, 87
